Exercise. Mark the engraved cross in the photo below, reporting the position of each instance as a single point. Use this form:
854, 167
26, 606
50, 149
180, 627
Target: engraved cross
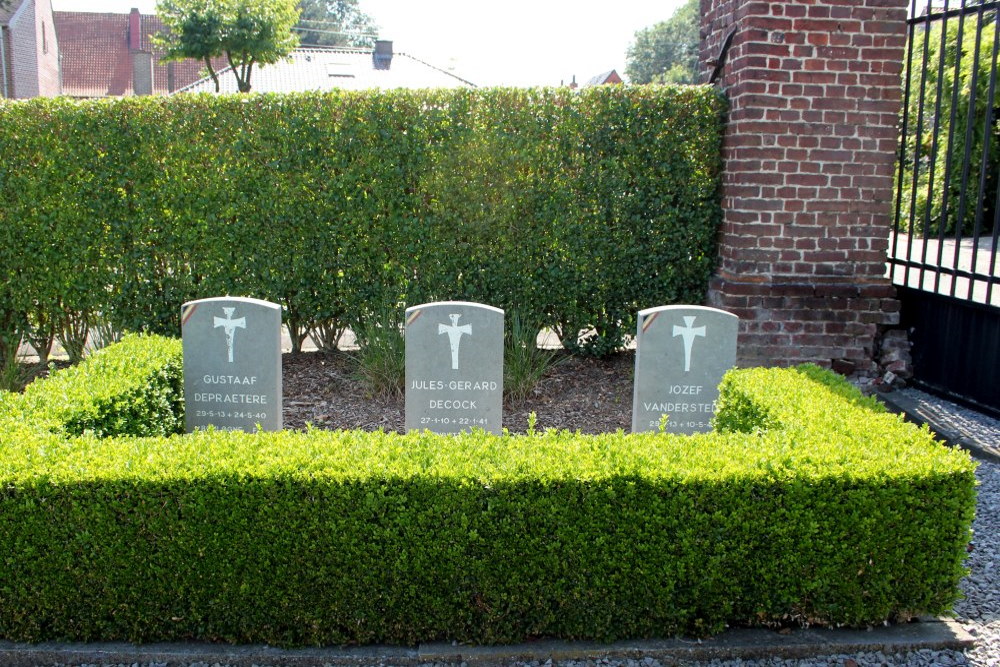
229, 325
688, 333
455, 333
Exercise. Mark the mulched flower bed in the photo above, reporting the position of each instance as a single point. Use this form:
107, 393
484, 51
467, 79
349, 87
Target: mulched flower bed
589, 395
578, 394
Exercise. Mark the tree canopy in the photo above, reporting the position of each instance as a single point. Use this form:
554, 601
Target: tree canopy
668, 51
334, 23
245, 32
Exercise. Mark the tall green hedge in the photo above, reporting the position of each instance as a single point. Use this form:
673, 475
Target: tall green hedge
575, 209
809, 505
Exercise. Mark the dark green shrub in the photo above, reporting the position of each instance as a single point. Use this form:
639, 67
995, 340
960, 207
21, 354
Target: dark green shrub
950, 126
829, 513
576, 208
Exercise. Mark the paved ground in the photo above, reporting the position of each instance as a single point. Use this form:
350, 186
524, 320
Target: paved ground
732, 645
955, 425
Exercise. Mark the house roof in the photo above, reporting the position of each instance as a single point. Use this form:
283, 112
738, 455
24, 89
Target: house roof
308, 69
610, 76
97, 61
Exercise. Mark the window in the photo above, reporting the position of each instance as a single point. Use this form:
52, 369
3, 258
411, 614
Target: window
340, 70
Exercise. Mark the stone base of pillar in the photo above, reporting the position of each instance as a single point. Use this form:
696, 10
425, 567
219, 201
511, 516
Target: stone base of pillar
834, 325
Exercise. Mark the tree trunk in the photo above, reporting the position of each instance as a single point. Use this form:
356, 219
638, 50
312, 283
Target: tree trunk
211, 72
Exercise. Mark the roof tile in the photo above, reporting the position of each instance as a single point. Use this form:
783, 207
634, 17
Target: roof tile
96, 61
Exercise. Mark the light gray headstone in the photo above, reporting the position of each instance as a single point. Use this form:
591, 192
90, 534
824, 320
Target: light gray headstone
232, 364
454, 367
681, 354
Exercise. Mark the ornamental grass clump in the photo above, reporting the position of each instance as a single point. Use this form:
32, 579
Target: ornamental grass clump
524, 363
380, 360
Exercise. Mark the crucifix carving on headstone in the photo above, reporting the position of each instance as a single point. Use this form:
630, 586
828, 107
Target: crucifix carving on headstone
455, 333
688, 333
229, 325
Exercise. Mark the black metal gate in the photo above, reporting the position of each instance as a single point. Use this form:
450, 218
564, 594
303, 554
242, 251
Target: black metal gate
943, 251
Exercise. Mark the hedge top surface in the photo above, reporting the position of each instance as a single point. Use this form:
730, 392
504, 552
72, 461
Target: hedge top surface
813, 431
114, 379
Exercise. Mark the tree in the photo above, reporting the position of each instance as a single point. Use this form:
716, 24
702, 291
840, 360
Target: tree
668, 51
334, 23
246, 32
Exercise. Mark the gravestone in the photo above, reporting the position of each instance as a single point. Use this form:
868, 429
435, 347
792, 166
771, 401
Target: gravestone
681, 354
454, 367
232, 364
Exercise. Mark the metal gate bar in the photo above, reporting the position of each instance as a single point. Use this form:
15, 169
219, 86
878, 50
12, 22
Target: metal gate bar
944, 244
925, 253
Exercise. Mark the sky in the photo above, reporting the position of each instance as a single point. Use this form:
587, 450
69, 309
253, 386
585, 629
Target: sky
494, 43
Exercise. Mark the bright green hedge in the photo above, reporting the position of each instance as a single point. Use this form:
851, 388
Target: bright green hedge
134, 387
807, 507
574, 209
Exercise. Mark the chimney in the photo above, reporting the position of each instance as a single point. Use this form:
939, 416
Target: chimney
134, 30
573, 85
142, 73
382, 55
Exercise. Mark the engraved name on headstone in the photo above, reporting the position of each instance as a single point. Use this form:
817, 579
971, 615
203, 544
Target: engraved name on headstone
232, 364
681, 355
454, 367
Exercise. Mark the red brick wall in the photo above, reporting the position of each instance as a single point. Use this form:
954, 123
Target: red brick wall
814, 90
47, 50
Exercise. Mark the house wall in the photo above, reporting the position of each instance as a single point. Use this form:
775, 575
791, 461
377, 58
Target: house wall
23, 53
47, 50
814, 91
32, 52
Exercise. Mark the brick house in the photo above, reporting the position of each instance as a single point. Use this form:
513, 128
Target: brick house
604, 78
29, 50
105, 54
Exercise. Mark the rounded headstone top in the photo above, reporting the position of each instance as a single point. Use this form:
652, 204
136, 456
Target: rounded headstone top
232, 364
701, 309
239, 299
454, 304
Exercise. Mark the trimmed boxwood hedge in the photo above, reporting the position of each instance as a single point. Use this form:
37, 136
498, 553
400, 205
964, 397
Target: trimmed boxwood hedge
134, 387
809, 504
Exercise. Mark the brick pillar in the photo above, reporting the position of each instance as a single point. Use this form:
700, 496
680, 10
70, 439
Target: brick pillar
814, 91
